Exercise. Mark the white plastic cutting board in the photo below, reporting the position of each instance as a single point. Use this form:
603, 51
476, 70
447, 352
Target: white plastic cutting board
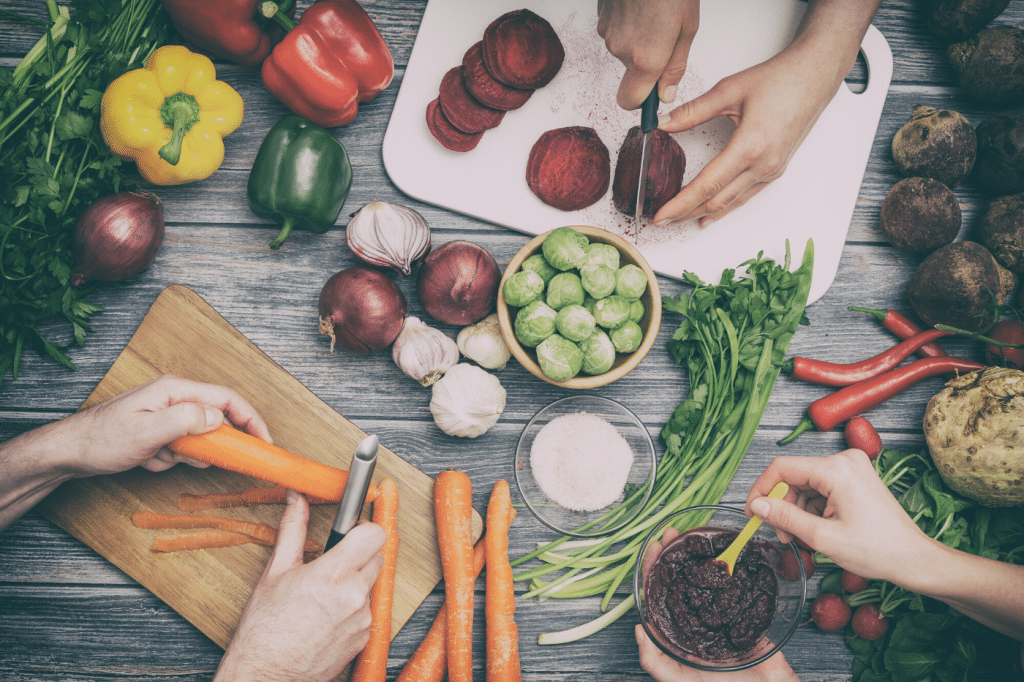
815, 198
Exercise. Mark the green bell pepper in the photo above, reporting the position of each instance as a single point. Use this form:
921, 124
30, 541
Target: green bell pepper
300, 178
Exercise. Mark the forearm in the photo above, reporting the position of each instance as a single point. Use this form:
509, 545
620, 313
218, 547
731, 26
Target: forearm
833, 30
31, 466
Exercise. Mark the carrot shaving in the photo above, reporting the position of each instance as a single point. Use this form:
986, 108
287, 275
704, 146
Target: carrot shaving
250, 497
453, 509
500, 600
259, 533
206, 538
372, 664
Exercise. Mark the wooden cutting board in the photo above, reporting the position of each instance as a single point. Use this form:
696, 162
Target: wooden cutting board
183, 335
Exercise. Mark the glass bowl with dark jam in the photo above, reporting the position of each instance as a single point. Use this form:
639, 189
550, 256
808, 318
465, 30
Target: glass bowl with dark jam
699, 614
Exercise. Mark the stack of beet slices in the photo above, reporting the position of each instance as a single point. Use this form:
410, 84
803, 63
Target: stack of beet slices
519, 53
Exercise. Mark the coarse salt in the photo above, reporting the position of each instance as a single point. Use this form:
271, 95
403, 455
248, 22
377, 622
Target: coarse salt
580, 461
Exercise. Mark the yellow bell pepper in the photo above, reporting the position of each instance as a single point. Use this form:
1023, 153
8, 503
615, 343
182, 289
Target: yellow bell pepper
171, 117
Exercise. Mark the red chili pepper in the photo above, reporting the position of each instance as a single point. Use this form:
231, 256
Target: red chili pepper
900, 325
825, 413
330, 61
833, 374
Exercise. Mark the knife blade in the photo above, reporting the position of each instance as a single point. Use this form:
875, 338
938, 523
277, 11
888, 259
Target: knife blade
648, 122
364, 460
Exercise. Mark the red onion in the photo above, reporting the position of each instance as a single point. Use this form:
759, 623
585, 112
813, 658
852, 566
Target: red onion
361, 310
117, 237
458, 283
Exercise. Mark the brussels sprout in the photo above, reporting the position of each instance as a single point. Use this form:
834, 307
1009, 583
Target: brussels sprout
575, 322
598, 353
559, 358
523, 287
543, 268
611, 312
598, 280
630, 282
627, 338
565, 248
636, 311
589, 302
534, 323
564, 289
602, 254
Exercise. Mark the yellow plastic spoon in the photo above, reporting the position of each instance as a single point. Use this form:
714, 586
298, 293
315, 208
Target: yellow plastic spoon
732, 552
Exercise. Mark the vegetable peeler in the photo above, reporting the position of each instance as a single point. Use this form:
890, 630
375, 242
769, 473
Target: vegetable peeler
359, 474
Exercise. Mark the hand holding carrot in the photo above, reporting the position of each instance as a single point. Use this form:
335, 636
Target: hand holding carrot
306, 621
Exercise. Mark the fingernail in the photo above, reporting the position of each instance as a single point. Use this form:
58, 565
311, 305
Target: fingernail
290, 496
669, 95
663, 119
214, 417
704, 222
760, 507
663, 223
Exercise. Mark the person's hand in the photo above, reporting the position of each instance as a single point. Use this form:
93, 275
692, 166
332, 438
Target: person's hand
840, 507
306, 621
664, 669
133, 428
652, 39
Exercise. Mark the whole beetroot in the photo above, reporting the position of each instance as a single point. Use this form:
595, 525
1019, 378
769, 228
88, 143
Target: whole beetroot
920, 215
1001, 231
935, 143
999, 168
956, 286
990, 64
955, 20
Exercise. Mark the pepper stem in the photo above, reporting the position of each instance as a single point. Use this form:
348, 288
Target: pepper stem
880, 314
286, 229
788, 365
275, 12
179, 112
805, 425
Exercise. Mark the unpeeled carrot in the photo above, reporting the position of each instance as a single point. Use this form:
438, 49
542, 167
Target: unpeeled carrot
229, 448
260, 533
372, 664
500, 600
205, 538
453, 513
429, 663
250, 497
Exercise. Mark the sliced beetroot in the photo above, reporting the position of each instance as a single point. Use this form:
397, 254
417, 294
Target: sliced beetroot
569, 168
447, 134
461, 108
522, 50
486, 88
664, 175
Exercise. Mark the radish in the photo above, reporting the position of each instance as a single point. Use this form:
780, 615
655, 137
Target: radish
869, 623
790, 570
852, 582
861, 434
830, 612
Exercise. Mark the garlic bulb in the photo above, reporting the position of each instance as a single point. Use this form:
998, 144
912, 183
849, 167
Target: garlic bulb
483, 344
467, 401
388, 235
422, 352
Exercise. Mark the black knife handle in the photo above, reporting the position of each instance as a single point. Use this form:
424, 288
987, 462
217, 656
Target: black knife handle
649, 112
334, 538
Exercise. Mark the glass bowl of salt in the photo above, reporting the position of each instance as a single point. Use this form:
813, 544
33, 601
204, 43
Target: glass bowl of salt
585, 466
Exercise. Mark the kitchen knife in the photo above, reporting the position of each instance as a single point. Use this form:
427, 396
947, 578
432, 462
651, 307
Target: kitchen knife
648, 122
359, 474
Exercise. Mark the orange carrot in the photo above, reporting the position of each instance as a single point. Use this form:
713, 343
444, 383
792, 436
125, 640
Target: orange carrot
429, 663
372, 664
250, 497
453, 510
229, 448
260, 533
500, 601
206, 538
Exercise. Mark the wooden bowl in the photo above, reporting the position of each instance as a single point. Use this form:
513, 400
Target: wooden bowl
624, 362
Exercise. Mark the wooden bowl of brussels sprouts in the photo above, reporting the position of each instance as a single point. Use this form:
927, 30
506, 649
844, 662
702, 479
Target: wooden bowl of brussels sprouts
579, 307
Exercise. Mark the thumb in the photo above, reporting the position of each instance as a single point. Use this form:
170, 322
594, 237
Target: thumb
787, 518
180, 419
694, 112
291, 535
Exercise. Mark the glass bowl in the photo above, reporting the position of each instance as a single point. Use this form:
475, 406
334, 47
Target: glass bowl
783, 558
638, 483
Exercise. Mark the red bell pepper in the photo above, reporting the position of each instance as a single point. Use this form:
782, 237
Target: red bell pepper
232, 29
330, 61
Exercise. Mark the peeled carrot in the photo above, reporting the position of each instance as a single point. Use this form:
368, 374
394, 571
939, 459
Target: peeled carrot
372, 664
229, 448
206, 538
260, 533
453, 513
250, 497
429, 663
500, 600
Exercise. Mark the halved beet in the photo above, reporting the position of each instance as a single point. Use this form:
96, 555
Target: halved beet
485, 88
569, 168
461, 108
522, 50
447, 134
664, 175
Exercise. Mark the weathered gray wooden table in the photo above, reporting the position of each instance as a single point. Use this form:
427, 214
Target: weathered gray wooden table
65, 613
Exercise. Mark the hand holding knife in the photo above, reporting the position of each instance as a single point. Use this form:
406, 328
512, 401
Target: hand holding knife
364, 460
648, 122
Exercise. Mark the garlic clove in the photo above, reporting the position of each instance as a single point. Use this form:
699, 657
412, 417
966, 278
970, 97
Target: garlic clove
388, 235
483, 343
422, 352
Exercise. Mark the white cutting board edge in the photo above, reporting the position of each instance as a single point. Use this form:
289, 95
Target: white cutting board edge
815, 198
